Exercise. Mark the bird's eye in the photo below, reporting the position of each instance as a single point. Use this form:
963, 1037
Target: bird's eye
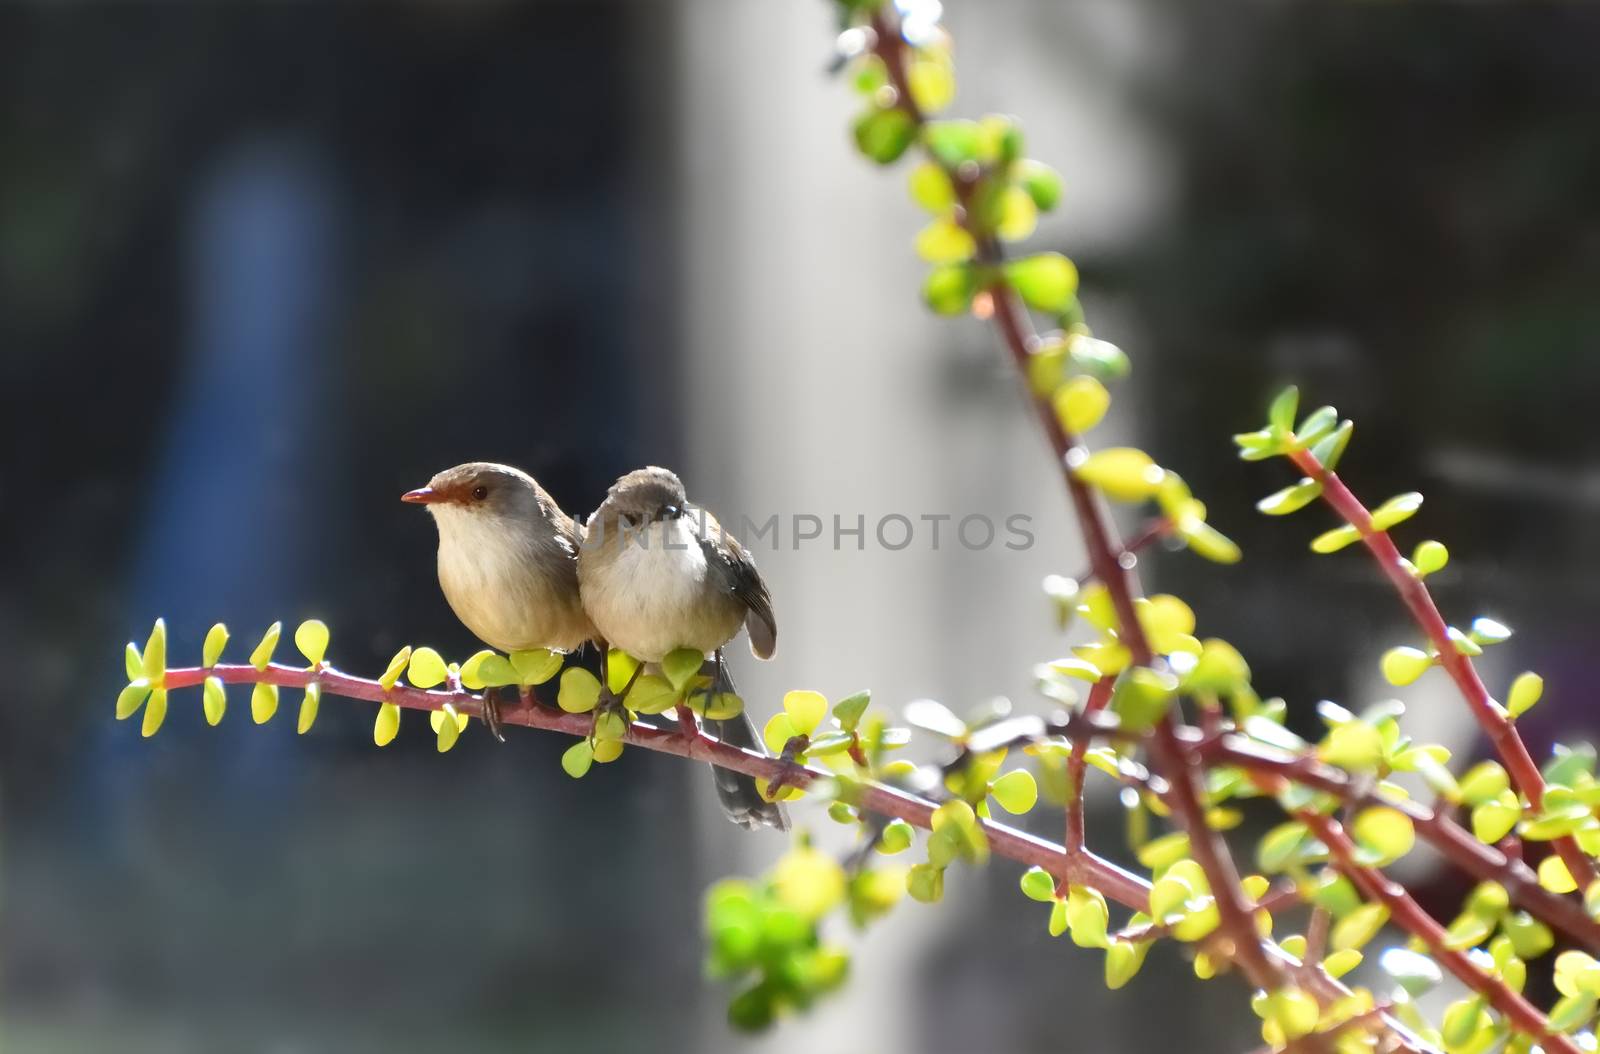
479, 493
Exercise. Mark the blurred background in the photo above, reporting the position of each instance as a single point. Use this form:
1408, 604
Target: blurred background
264, 267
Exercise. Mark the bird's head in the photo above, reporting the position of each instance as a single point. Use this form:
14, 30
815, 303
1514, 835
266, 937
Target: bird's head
478, 491
647, 495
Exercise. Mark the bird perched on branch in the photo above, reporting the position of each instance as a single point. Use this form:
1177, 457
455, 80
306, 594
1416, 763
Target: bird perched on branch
658, 573
507, 561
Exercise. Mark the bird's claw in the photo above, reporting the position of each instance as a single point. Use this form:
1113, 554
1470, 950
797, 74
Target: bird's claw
491, 714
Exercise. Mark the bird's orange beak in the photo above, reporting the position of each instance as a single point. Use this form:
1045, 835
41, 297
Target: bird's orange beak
422, 496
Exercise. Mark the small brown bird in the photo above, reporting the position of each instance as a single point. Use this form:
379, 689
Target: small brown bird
657, 573
507, 560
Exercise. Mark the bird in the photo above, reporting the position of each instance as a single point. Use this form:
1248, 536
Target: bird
507, 561
657, 573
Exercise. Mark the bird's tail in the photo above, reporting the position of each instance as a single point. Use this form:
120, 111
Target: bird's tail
741, 801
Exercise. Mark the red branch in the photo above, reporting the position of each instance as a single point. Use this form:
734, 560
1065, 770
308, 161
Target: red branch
1491, 718
1523, 1015
1453, 841
1099, 696
1016, 331
1081, 868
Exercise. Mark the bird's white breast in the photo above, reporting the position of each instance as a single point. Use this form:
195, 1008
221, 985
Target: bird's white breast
649, 592
490, 576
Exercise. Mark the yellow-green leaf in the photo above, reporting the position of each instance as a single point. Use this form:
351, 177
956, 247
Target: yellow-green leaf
1121, 473
216, 640
806, 710
397, 666
1016, 791
535, 666
487, 669
1081, 403
132, 661
577, 758
131, 698
1358, 927
1526, 690
651, 694
579, 691
155, 712
1402, 666
263, 702
269, 643
448, 724
387, 725
680, 665
944, 241
155, 653
214, 697
427, 669
311, 637
1428, 557
930, 188
308, 707
1554, 876
780, 729
1334, 540
1396, 510
1384, 834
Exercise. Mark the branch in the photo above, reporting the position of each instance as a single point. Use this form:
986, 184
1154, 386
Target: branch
1454, 842
1016, 331
1410, 916
1491, 718
1082, 868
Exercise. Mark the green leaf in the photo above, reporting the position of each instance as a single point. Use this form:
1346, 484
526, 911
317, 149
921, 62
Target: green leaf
214, 698
806, 710
1483, 782
1046, 281
925, 883
155, 712
952, 143
1413, 971
1428, 557
651, 694
949, 288
680, 665
1402, 666
216, 640
1292, 498
1330, 448
1317, 424
1161, 853
1461, 1021
579, 691
1081, 403
1384, 835
1334, 540
1123, 959
619, 669
131, 698
1354, 745
1208, 542
884, 134
308, 708
944, 241
1281, 414
1058, 918
1087, 917
930, 715
1358, 927
427, 668
1526, 690
387, 726
1038, 884
535, 666
1572, 1012
1121, 473
1042, 183
1017, 215
577, 758
779, 730
722, 706
448, 724
1396, 510
397, 666
849, 710
311, 637
263, 702
487, 669
1141, 696
155, 653
269, 642
930, 188
1016, 791
1493, 820
1281, 846
1487, 631
1098, 358
896, 837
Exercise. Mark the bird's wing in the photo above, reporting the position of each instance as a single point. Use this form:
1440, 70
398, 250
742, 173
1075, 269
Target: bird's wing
723, 551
